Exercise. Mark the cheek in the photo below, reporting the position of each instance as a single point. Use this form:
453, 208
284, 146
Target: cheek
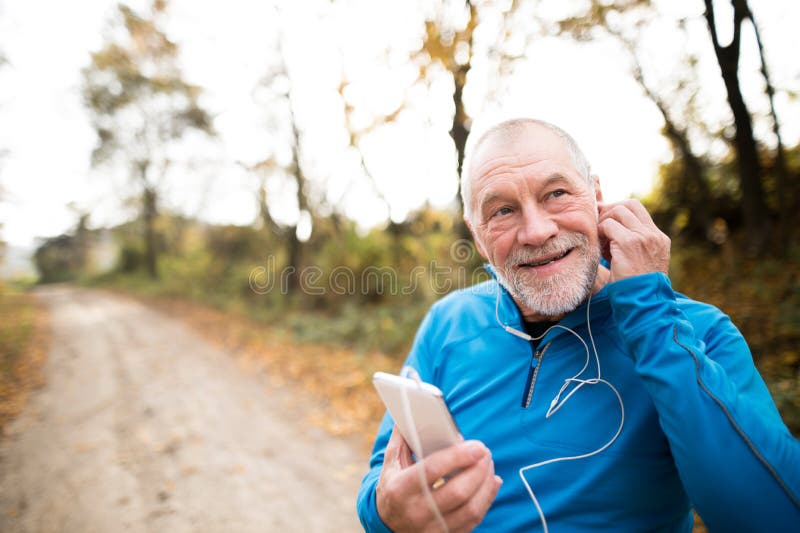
583, 220
498, 245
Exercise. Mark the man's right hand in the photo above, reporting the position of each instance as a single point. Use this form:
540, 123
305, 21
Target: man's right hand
462, 501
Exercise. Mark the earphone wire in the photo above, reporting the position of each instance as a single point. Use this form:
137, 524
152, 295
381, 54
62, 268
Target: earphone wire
557, 402
409, 371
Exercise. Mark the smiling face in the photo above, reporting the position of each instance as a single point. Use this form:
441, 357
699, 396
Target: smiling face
534, 217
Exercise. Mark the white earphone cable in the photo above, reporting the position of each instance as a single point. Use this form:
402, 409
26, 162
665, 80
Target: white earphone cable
557, 402
409, 371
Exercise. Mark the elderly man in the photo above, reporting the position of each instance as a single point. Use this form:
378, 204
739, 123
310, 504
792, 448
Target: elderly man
593, 396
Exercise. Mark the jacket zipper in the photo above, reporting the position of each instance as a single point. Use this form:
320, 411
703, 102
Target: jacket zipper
533, 371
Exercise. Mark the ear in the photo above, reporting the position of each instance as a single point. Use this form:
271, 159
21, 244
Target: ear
476, 239
598, 192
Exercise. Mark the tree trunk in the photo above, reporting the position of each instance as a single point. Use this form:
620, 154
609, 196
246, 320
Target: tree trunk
459, 130
754, 208
696, 193
695, 186
459, 133
263, 208
785, 228
294, 248
150, 244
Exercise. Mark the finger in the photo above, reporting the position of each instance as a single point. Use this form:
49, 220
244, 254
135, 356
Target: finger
632, 253
611, 233
633, 206
621, 226
605, 250
457, 457
399, 486
469, 515
463, 486
613, 230
624, 215
397, 454
638, 209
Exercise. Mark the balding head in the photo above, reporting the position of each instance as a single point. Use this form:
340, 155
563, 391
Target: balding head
508, 132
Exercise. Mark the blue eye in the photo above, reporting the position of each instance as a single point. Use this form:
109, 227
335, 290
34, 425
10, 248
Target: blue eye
558, 193
502, 211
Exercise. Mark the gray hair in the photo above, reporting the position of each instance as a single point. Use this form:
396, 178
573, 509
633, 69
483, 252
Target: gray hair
510, 130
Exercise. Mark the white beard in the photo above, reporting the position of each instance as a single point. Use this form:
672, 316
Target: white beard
557, 294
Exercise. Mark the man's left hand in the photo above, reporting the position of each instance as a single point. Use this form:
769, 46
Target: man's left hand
630, 240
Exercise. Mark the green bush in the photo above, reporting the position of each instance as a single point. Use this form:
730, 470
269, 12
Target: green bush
240, 270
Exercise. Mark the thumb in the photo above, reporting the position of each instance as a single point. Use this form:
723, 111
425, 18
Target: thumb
605, 245
397, 455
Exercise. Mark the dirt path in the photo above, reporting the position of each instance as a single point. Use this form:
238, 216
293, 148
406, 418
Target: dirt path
144, 427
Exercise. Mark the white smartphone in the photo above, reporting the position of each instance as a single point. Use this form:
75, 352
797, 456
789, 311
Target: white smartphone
426, 412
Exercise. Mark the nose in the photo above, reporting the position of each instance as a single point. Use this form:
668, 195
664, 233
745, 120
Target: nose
537, 227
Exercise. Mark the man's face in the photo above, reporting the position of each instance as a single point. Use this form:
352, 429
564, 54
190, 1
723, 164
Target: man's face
535, 220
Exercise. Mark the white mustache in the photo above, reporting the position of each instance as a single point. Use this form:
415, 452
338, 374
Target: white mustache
556, 246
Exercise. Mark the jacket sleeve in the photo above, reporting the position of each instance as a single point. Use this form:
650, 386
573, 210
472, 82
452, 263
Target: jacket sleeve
738, 462
365, 503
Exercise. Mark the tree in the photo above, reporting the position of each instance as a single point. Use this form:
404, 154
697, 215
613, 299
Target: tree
626, 22
141, 107
278, 84
3, 153
447, 53
781, 170
446, 45
65, 257
754, 206
449, 43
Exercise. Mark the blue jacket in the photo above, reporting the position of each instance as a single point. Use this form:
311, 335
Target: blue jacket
700, 428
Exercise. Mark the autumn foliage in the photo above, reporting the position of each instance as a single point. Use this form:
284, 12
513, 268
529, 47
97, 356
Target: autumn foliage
23, 346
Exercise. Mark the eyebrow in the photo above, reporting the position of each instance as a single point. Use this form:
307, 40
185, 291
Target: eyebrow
555, 177
489, 199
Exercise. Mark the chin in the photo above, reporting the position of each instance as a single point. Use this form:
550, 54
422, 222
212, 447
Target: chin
556, 294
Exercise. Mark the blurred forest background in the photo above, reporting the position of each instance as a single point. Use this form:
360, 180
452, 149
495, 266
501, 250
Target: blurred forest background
306, 270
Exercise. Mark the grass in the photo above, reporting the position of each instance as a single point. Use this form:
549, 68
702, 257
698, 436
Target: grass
23, 341
762, 296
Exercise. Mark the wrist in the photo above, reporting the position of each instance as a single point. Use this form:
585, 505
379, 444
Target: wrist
637, 303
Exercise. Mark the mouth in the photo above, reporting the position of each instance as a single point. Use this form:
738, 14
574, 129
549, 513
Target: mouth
547, 260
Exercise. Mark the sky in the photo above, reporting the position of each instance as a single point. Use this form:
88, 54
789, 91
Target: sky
228, 47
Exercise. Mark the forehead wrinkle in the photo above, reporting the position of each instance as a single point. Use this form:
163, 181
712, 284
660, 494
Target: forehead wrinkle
512, 162
491, 166
497, 168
